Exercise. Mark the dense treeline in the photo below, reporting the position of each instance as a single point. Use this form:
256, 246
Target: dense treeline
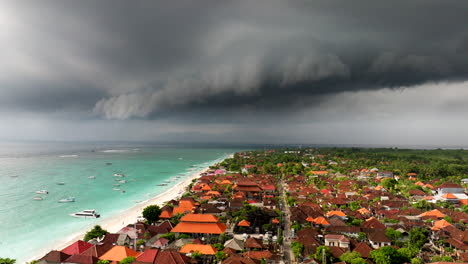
428, 164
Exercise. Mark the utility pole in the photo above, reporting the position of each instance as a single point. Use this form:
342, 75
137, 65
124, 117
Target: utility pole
324, 258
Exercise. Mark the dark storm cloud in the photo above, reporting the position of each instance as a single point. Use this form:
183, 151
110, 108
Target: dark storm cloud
145, 59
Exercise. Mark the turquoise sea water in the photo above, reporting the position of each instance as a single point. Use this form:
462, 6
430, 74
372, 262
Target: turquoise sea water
28, 225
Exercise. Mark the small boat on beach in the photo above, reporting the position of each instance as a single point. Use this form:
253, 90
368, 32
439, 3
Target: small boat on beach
42, 192
60, 183
67, 200
38, 198
86, 214
92, 177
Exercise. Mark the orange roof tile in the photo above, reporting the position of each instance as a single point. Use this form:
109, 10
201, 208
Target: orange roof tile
181, 210
199, 218
419, 183
449, 196
243, 223
117, 253
319, 172
213, 193
321, 221
199, 228
364, 211
206, 188
276, 221
165, 214
337, 213
203, 249
206, 197
440, 224
434, 212
427, 198
226, 182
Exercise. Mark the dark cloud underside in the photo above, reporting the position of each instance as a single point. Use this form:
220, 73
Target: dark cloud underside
153, 59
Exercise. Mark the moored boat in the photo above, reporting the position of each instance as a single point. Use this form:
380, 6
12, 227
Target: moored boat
86, 214
37, 198
60, 183
42, 192
92, 177
67, 200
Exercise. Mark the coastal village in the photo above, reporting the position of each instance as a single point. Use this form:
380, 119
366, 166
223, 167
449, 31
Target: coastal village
296, 206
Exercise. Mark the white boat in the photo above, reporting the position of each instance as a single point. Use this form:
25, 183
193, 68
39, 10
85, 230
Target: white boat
119, 175
42, 192
123, 181
92, 177
116, 189
37, 198
86, 214
60, 183
67, 200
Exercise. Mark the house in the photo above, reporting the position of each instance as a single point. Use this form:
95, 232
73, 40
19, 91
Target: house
336, 241
97, 250
378, 239
77, 248
117, 253
247, 168
450, 188
161, 243
55, 256
235, 244
449, 197
147, 257
171, 257
203, 249
81, 259
384, 174
199, 224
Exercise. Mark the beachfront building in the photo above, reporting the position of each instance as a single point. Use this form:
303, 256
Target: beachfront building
199, 225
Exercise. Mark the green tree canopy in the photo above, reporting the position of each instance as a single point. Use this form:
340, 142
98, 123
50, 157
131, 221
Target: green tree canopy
103, 261
323, 250
417, 237
96, 232
7, 261
151, 213
387, 255
127, 260
348, 257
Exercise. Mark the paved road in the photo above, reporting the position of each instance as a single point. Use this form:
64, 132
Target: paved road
287, 251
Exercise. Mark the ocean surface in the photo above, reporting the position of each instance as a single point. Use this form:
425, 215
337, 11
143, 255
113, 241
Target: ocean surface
27, 225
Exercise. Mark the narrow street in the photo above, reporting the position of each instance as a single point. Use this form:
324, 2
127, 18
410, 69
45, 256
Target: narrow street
287, 250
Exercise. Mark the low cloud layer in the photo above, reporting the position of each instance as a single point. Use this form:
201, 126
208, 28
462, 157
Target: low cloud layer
207, 61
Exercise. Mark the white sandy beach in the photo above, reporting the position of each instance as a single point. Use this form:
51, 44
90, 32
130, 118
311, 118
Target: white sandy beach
129, 216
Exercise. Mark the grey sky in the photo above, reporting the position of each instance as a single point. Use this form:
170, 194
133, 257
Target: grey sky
237, 71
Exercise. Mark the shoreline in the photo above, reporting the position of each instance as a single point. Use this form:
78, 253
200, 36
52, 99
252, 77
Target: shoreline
129, 216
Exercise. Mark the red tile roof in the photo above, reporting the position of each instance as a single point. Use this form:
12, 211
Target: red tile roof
77, 248
147, 256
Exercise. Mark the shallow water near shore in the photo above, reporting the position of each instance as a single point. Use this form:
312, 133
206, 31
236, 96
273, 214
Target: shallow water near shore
29, 225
